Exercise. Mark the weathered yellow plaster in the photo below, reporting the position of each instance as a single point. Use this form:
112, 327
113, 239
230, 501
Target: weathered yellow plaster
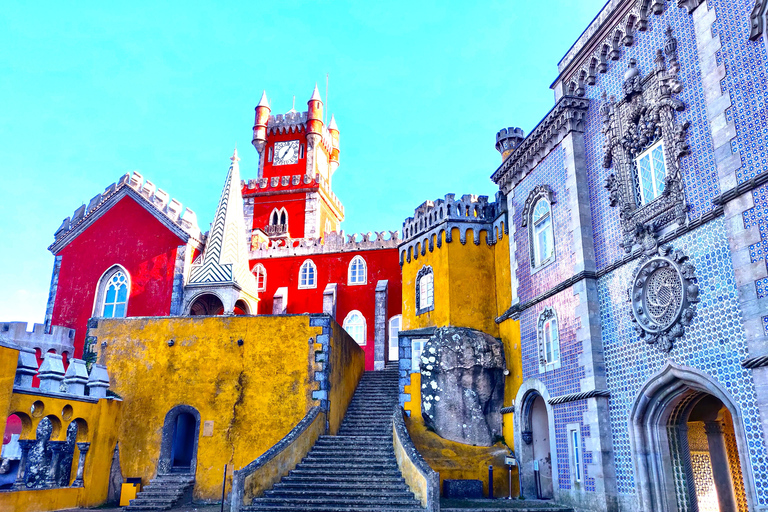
416, 482
97, 424
414, 388
8, 359
254, 392
270, 473
461, 461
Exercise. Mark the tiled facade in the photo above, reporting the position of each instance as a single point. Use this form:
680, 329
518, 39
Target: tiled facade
607, 374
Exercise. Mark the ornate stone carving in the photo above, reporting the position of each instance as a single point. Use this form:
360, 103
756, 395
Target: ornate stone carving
545, 315
536, 193
644, 116
527, 436
663, 294
757, 20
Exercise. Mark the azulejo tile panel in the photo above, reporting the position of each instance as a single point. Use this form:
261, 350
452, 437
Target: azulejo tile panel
714, 343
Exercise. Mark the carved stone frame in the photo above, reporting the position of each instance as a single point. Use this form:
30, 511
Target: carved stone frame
539, 192
546, 314
645, 115
423, 271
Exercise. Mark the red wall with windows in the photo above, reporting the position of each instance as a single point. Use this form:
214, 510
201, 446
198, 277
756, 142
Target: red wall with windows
382, 264
294, 205
128, 235
299, 167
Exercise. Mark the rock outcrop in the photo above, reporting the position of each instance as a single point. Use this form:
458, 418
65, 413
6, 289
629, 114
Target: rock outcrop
462, 385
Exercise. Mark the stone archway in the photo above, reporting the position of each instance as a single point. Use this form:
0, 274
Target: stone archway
178, 449
535, 441
688, 445
206, 304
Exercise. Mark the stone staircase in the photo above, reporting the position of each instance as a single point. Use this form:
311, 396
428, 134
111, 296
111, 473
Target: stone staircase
163, 492
354, 470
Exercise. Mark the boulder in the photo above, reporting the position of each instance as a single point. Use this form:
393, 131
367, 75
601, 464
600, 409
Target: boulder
462, 385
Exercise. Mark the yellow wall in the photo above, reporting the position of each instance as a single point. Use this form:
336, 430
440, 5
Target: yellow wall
347, 365
415, 481
8, 359
101, 424
254, 394
462, 461
438, 260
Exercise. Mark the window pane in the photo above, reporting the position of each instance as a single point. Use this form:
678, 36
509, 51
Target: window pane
122, 293
540, 210
110, 298
108, 311
555, 341
646, 180
120, 311
659, 169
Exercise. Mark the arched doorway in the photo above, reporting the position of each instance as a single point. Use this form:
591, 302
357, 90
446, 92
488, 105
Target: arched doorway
178, 451
241, 308
206, 304
535, 451
687, 443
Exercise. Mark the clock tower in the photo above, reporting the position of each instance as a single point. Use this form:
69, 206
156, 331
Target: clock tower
298, 154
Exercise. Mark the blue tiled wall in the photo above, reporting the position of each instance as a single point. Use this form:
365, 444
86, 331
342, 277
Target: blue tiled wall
714, 343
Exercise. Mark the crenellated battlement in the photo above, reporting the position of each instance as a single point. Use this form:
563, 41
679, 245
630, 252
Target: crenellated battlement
286, 183
470, 208
290, 122
333, 242
60, 339
152, 196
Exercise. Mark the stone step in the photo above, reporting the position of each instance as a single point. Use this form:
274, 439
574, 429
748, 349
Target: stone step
331, 495
343, 482
331, 472
293, 507
344, 501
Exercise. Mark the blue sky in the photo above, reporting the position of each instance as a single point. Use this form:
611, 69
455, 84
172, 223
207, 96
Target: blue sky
90, 91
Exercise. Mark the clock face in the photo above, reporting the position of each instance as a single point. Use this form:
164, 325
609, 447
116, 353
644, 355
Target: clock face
286, 152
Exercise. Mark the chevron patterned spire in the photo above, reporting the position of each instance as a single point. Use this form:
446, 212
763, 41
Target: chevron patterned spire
225, 257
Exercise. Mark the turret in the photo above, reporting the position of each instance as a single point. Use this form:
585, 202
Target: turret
260, 124
334, 131
315, 118
507, 141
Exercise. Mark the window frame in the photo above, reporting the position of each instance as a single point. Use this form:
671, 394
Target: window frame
357, 259
575, 452
648, 153
256, 272
425, 271
311, 264
548, 318
364, 326
537, 261
102, 286
396, 340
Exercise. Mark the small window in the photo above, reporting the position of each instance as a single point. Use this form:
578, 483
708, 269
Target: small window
542, 235
301, 151
575, 441
417, 347
269, 154
358, 273
425, 290
112, 294
394, 342
354, 324
261, 277
308, 275
549, 337
651, 172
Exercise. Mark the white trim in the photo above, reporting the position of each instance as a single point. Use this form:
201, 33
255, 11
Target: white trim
314, 275
394, 341
649, 154
98, 299
575, 453
365, 326
534, 224
255, 270
365, 271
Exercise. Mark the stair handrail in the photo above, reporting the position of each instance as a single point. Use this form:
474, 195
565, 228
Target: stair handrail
427, 487
239, 475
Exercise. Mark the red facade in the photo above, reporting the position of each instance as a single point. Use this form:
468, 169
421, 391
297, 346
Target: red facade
128, 235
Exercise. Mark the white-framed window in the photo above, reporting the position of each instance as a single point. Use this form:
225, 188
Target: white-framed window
651, 172
425, 290
417, 347
261, 277
278, 217
308, 275
355, 326
358, 271
542, 233
270, 153
549, 337
574, 447
112, 293
395, 323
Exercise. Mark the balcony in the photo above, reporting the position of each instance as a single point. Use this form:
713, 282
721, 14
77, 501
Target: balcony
276, 230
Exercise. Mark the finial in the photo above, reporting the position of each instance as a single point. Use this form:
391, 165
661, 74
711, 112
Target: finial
264, 101
315, 94
234, 157
293, 107
332, 124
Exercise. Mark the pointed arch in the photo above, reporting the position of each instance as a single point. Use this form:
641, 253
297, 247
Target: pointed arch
113, 293
261, 277
356, 327
357, 272
308, 275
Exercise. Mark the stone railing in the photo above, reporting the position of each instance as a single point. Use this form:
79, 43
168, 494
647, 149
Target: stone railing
54, 380
333, 242
276, 229
261, 474
293, 181
60, 339
423, 481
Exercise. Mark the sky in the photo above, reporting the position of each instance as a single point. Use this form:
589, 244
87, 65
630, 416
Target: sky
90, 91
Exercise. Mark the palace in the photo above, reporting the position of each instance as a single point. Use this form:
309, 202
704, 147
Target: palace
601, 323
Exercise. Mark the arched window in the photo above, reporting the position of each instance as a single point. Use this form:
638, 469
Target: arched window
112, 293
549, 337
278, 218
425, 292
261, 277
651, 170
394, 342
542, 234
358, 272
308, 275
354, 324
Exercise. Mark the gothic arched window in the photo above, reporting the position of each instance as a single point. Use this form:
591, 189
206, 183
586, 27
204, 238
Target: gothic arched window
261, 277
308, 275
112, 293
542, 233
354, 324
358, 273
549, 337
